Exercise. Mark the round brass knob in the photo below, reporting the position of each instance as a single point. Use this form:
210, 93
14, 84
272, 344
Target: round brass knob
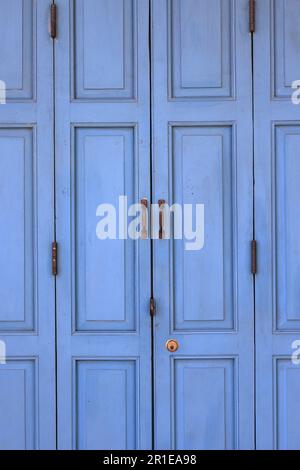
172, 345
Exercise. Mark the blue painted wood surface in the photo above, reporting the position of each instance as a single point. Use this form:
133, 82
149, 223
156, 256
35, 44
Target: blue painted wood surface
27, 294
202, 153
103, 291
277, 139
94, 83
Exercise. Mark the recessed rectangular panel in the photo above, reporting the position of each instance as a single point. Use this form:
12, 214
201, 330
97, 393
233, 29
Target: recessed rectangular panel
205, 404
200, 48
287, 404
287, 228
17, 51
17, 405
104, 169
203, 166
17, 189
285, 44
106, 405
104, 49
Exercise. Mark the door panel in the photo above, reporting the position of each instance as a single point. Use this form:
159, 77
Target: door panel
27, 308
193, 33
96, 76
286, 195
199, 152
287, 383
18, 33
95, 174
107, 393
18, 196
277, 133
103, 288
204, 409
285, 33
17, 405
202, 153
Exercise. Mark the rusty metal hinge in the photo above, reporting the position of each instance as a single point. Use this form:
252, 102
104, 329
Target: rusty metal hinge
254, 257
54, 258
252, 16
152, 307
53, 21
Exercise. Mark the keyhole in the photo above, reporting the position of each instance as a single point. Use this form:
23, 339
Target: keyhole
172, 345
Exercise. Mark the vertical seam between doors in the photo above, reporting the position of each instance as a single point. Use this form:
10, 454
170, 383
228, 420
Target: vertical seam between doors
151, 202
54, 209
254, 231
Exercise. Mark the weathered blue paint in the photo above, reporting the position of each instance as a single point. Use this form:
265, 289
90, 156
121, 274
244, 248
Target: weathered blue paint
277, 169
27, 296
202, 153
94, 83
104, 287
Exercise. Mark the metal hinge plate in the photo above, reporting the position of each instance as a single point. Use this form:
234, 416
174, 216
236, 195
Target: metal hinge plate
54, 258
254, 257
152, 307
53, 20
252, 16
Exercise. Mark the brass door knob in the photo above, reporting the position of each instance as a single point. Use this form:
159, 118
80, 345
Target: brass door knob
172, 345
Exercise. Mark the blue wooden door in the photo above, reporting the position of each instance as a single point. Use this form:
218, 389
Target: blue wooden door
277, 193
202, 154
104, 286
27, 313
81, 118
